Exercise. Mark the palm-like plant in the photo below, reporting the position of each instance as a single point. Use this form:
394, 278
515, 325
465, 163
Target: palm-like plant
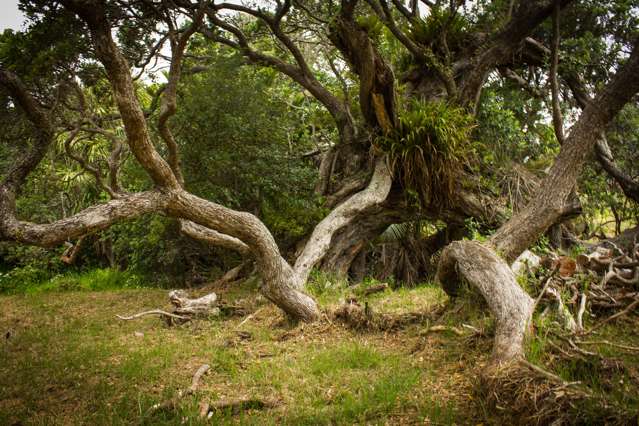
428, 148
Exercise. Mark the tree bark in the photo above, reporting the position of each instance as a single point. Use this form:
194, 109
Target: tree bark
483, 268
319, 243
491, 275
549, 204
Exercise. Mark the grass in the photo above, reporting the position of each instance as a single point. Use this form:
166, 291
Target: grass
69, 361
29, 280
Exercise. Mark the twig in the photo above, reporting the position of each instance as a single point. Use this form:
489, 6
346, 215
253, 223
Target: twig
475, 330
563, 352
547, 374
172, 403
606, 342
628, 309
248, 317
545, 287
580, 313
236, 405
243, 403
583, 351
152, 312
196, 378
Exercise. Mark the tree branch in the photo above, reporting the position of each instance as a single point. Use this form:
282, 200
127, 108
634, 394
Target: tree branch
29, 159
629, 187
546, 207
97, 173
119, 75
301, 73
499, 48
213, 237
169, 102
92, 219
319, 242
558, 122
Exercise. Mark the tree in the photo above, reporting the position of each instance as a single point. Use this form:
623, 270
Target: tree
417, 73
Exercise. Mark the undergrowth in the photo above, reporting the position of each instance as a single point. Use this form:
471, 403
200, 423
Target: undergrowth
27, 281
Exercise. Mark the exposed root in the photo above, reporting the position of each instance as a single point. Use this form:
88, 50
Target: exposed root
528, 394
484, 270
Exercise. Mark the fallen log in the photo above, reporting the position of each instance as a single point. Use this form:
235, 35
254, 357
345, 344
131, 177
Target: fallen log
202, 306
184, 308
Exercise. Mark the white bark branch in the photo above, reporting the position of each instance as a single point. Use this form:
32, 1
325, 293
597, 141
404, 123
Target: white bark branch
89, 220
319, 242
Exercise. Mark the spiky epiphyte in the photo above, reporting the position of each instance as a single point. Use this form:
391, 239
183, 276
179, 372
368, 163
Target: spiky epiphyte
427, 149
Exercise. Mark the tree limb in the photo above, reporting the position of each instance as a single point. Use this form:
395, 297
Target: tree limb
558, 122
319, 242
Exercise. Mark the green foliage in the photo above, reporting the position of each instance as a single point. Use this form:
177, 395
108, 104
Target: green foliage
371, 24
474, 229
509, 130
428, 149
23, 267
53, 43
93, 280
602, 199
440, 24
326, 287
542, 246
146, 245
241, 147
30, 279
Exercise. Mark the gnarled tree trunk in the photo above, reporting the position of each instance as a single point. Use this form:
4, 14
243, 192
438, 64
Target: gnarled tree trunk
492, 277
482, 266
